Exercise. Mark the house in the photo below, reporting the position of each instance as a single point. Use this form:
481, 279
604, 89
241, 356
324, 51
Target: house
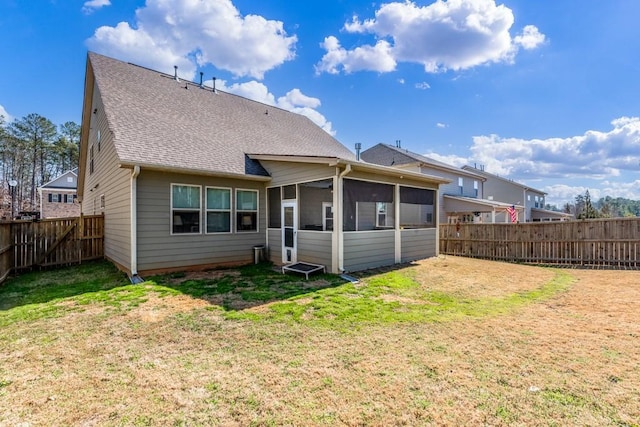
512, 192
461, 199
188, 176
58, 197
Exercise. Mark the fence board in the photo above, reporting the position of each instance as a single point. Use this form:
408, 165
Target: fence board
611, 242
50, 242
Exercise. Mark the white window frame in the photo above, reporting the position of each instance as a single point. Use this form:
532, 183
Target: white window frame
461, 184
326, 205
383, 214
207, 210
239, 210
172, 209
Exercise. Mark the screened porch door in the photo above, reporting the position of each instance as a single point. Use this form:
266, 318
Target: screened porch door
289, 232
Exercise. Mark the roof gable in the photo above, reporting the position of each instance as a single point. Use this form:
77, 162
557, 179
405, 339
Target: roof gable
68, 180
158, 121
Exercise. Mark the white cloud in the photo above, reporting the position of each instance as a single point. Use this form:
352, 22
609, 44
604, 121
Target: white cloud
530, 38
450, 159
451, 35
92, 5
441, 125
372, 58
294, 100
193, 33
595, 154
7, 117
423, 86
401, 81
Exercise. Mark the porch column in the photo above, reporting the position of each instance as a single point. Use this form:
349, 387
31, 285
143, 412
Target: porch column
493, 215
336, 235
398, 233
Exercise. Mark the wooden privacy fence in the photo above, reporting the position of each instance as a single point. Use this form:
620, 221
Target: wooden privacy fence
50, 242
613, 243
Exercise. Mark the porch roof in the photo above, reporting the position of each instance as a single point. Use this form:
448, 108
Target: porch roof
355, 165
470, 204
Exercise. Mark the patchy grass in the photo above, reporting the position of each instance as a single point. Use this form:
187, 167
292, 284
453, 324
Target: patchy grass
446, 341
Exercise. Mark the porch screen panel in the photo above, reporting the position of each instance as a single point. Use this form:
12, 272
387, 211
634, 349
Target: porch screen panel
360, 201
417, 207
275, 199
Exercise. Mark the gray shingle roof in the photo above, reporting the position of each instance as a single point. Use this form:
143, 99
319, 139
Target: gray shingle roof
158, 121
388, 155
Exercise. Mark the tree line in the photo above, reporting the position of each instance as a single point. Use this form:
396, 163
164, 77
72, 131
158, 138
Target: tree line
33, 151
605, 207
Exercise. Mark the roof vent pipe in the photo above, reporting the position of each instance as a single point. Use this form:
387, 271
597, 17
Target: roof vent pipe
175, 73
201, 73
358, 147
214, 85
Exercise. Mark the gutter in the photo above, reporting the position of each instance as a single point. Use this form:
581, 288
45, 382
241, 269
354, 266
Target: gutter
134, 225
339, 213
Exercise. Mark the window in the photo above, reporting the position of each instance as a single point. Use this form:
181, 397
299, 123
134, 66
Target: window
384, 218
91, 160
185, 209
218, 210
69, 179
55, 198
461, 184
102, 201
99, 139
327, 216
246, 210
475, 188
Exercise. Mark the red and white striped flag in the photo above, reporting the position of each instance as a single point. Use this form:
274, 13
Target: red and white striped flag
513, 213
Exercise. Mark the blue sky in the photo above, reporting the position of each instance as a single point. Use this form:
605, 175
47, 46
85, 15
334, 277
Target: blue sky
543, 92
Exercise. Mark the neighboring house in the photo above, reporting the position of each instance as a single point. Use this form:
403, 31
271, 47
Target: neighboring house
461, 199
58, 197
512, 192
190, 177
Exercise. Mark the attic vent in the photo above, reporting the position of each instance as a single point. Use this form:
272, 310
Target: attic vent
214, 85
201, 85
175, 73
358, 148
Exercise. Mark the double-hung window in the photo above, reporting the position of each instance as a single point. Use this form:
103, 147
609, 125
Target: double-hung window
185, 208
246, 210
218, 210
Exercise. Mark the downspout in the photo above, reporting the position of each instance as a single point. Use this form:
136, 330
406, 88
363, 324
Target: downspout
134, 223
339, 212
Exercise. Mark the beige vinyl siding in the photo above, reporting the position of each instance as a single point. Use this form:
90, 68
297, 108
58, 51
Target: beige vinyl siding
275, 245
158, 249
315, 247
284, 173
418, 244
368, 249
452, 188
112, 181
